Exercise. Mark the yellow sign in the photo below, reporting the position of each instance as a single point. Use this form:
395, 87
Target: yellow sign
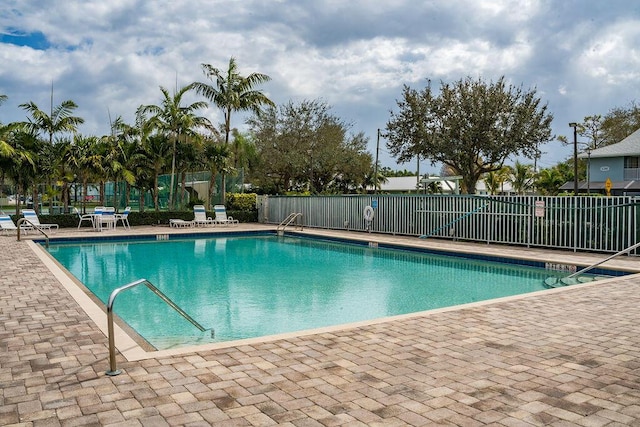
607, 186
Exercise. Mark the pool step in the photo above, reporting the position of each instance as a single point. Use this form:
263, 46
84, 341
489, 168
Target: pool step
558, 282
169, 342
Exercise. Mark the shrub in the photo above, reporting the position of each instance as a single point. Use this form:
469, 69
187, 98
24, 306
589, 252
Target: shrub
241, 201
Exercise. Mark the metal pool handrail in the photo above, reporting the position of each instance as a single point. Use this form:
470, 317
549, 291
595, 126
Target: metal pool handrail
287, 221
46, 236
591, 267
112, 347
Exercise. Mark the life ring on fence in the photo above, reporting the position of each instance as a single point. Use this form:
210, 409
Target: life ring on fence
368, 213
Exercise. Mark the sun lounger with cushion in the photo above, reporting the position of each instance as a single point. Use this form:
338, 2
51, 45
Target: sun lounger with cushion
32, 218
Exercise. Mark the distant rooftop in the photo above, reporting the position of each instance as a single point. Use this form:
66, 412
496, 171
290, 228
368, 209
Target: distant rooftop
630, 146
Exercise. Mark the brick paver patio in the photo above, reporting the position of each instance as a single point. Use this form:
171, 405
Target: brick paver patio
568, 358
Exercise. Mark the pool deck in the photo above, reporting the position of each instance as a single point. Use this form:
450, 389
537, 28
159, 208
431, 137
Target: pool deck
563, 357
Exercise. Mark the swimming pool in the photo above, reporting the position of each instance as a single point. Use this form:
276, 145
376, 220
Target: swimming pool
258, 285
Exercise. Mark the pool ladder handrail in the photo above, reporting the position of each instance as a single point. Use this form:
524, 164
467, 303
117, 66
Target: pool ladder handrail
112, 346
592, 266
287, 221
34, 227
552, 281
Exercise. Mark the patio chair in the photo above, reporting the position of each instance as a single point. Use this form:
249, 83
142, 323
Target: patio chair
7, 225
84, 217
32, 218
221, 216
107, 217
200, 217
124, 218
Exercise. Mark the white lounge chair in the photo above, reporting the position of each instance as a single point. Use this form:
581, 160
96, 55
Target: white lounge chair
32, 218
7, 225
180, 223
124, 218
84, 217
221, 216
200, 217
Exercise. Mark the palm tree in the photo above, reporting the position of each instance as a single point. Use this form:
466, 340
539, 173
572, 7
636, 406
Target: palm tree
493, 182
154, 154
549, 181
189, 159
60, 120
115, 157
84, 159
232, 92
177, 121
7, 151
21, 167
139, 153
521, 178
217, 158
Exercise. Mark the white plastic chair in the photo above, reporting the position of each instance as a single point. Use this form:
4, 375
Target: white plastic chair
108, 218
84, 217
124, 218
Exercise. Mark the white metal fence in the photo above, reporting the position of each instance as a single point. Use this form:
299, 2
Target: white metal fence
600, 224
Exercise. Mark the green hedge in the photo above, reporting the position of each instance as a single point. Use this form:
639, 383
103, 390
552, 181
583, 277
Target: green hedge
144, 218
241, 201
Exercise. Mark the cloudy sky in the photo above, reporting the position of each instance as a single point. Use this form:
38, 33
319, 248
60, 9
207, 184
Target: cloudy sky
582, 56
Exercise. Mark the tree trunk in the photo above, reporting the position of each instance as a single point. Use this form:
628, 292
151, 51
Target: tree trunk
212, 184
141, 201
155, 193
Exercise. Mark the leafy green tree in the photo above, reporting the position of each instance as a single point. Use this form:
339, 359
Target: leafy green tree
389, 173
355, 171
178, 122
232, 92
590, 129
620, 123
304, 147
244, 154
470, 126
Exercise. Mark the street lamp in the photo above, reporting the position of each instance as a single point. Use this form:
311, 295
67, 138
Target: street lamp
575, 157
589, 170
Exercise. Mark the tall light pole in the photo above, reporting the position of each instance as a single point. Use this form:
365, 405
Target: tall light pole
589, 170
375, 166
575, 157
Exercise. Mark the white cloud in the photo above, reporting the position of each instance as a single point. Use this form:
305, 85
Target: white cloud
613, 55
355, 55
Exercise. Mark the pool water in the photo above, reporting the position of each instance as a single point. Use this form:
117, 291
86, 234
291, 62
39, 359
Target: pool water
244, 287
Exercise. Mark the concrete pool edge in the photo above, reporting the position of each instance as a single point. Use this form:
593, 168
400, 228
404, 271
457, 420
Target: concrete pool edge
132, 351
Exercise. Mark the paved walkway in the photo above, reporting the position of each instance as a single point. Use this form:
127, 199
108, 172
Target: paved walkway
567, 358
